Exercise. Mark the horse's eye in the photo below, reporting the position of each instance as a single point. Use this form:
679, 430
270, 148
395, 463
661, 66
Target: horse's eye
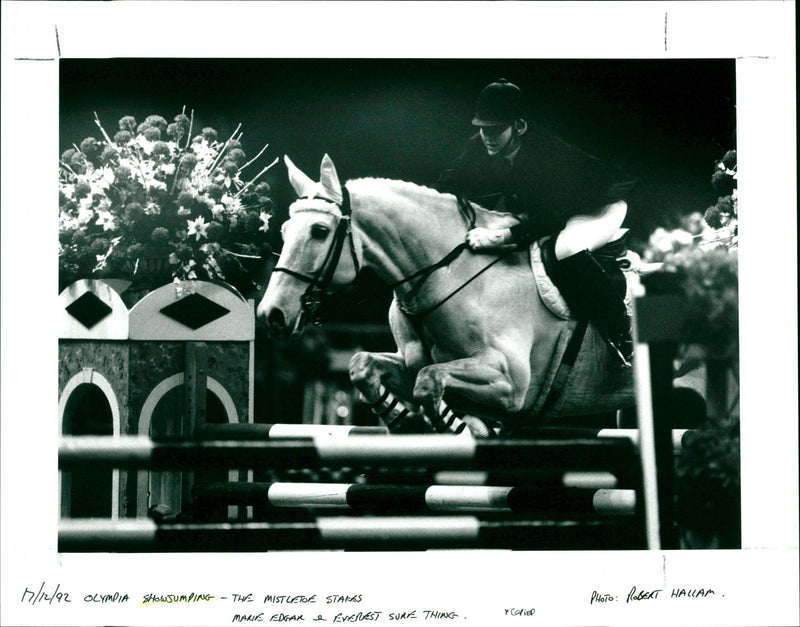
319, 231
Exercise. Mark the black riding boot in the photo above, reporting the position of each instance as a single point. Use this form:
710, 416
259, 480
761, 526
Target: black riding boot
595, 292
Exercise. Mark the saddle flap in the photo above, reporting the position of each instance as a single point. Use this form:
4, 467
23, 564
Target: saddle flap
548, 292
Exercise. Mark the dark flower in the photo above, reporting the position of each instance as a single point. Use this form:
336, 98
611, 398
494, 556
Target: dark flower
183, 120
159, 236
157, 121
109, 155
215, 191
229, 167
185, 199
252, 221
723, 182
236, 155
188, 162
175, 131
134, 250
99, 246
720, 214
68, 154
82, 190
713, 218
263, 189
133, 211
122, 137
90, 146
127, 123
152, 133
210, 134
122, 173
214, 231
161, 149
233, 144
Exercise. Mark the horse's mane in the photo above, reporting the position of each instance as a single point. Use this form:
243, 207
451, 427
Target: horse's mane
374, 185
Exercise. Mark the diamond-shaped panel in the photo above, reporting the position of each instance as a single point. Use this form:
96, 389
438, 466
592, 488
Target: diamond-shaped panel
194, 311
88, 309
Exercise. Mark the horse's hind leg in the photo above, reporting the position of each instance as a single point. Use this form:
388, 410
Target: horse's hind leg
383, 379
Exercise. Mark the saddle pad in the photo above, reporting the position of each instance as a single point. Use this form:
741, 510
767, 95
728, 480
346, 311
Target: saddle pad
548, 292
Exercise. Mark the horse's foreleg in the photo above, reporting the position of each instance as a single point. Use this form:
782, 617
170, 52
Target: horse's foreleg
383, 379
482, 381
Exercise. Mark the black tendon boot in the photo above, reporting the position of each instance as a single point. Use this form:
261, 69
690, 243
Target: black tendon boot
594, 291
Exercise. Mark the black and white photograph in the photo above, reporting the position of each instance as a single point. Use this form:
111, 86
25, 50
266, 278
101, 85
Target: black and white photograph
353, 325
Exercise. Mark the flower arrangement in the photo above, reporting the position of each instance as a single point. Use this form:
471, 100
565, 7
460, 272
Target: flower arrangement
153, 199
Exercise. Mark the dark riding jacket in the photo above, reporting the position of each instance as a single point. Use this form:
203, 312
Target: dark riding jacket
548, 182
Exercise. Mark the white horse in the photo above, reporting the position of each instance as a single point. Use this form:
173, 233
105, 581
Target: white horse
480, 334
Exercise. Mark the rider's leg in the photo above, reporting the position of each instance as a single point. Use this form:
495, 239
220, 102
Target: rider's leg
593, 290
590, 232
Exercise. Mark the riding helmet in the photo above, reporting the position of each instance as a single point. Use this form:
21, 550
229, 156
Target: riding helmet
499, 104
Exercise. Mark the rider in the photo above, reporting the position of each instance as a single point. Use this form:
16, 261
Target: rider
569, 201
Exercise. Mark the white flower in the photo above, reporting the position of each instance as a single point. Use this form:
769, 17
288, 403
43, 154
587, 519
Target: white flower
69, 190
183, 211
106, 220
168, 169
145, 144
105, 177
265, 219
232, 204
197, 227
217, 211
85, 215
156, 184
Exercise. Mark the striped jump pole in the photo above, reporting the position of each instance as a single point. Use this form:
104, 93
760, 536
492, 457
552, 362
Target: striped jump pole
394, 450
559, 503
345, 532
281, 431
284, 431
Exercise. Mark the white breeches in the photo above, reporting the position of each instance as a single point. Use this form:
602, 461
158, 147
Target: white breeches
590, 232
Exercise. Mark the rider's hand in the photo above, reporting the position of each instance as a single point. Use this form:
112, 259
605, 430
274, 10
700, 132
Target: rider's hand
480, 238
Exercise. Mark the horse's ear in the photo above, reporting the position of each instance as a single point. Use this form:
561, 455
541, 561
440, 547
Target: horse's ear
330, 180
301, 183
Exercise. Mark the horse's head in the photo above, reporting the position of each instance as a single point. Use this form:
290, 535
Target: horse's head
311, 262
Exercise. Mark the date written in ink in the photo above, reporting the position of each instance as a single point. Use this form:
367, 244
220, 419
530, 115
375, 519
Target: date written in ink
43, 595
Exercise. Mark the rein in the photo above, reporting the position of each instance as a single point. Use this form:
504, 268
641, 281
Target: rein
468, 212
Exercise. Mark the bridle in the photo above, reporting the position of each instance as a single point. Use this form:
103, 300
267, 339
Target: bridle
320, 281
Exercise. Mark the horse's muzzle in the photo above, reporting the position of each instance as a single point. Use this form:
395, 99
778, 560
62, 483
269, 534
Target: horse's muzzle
276, 324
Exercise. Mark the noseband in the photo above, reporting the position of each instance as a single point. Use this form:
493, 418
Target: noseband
319, 282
